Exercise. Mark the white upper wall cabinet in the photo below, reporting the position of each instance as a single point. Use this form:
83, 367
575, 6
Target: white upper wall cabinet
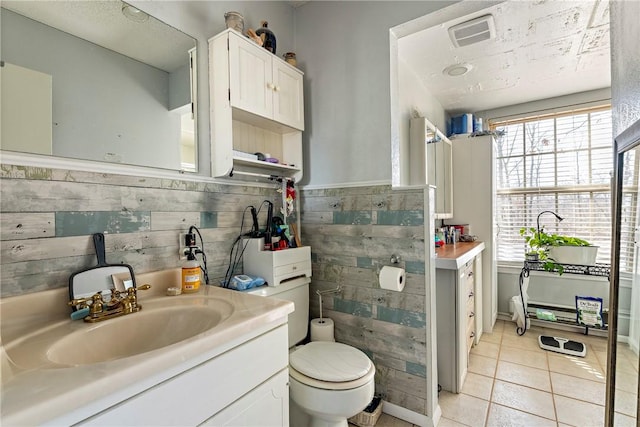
250, 77
257, 105
288, 99
263, 84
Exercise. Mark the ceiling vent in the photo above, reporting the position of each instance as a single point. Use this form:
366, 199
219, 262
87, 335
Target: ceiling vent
474, 31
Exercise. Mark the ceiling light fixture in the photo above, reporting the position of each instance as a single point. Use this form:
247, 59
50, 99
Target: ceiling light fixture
457, 70
134, 14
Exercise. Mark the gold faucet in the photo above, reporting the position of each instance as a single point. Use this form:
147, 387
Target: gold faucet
121, 303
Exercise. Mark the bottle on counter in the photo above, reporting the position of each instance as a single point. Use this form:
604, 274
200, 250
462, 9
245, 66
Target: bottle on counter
190, 274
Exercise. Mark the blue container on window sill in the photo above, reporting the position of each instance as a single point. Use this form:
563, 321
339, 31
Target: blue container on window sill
461, 125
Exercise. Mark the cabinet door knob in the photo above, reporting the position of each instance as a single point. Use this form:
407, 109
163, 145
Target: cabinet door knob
473, 334
276, 88
270, 85
470, 274
472, 314
471, 294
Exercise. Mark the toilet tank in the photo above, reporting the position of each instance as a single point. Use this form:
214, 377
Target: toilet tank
296, 291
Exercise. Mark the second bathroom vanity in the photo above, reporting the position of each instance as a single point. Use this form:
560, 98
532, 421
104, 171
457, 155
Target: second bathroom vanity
459, 312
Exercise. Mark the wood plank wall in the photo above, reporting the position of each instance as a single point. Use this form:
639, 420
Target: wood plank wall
47, 217
352, 233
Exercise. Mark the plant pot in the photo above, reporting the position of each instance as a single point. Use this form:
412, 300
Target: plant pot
579, 255
532, 256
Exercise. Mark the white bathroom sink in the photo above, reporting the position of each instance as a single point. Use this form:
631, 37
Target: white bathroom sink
161, 322
51, 373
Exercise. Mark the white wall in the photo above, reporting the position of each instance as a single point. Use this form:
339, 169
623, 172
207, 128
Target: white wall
343, 47
413, 95
625, 63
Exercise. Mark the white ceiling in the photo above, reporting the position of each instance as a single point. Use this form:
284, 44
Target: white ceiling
102, 22
542, 49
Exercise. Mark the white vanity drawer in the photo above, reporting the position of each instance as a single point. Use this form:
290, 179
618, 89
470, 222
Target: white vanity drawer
290, 270
291, 256
471, 334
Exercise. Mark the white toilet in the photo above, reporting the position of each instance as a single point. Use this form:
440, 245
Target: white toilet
329, 381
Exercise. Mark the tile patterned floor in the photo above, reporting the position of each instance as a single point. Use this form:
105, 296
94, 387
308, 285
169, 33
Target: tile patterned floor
512, 382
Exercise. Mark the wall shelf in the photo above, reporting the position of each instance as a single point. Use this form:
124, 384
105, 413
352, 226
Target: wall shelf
279, 167
602, 270
564, 316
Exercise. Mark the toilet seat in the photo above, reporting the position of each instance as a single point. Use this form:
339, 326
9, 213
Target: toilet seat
330, 366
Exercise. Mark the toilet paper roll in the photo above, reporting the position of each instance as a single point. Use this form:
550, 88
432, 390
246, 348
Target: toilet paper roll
392, 278
322, 330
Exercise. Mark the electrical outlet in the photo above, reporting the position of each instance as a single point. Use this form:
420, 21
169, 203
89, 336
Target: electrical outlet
183, 245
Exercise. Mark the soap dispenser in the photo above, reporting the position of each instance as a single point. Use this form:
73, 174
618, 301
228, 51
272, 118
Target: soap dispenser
190, 274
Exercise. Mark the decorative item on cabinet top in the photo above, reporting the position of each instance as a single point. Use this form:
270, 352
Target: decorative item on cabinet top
267, 37
290, 57
234, 20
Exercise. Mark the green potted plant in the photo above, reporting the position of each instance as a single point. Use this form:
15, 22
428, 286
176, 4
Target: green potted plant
553, 250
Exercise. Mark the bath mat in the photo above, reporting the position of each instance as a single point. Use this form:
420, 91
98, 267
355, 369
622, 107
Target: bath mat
562, 345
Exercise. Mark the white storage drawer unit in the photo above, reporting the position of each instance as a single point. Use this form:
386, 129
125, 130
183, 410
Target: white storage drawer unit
276, 266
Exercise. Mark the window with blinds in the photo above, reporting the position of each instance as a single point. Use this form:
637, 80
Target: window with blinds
558, 162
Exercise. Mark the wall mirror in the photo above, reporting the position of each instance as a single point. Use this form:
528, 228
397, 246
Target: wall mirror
624, 326
430, 163
97, 80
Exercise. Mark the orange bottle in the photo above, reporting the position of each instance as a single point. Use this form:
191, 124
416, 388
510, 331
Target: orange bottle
190, 275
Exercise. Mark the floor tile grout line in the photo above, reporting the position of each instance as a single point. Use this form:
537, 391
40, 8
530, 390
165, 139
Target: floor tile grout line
493, 381
553, 395
524, 412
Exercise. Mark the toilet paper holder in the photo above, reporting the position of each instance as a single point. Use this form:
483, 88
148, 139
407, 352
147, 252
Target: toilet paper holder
394, 260
337, 290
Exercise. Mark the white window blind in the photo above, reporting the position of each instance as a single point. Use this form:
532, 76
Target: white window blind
560, 162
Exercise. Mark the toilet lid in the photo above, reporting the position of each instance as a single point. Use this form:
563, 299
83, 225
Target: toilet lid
330, 361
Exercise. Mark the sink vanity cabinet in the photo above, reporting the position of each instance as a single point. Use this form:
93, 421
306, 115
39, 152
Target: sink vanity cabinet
212, 378
459, 312
233, 388
257, 105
